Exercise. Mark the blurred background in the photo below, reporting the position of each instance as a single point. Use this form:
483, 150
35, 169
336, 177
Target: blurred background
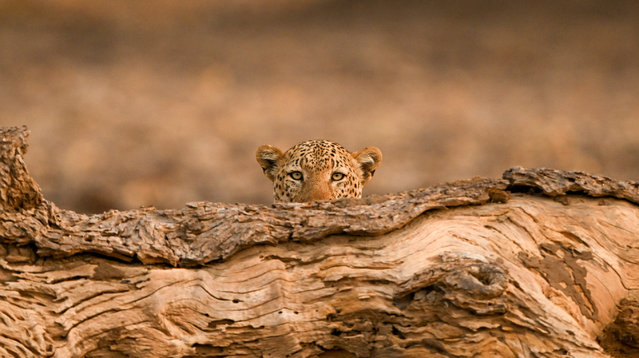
161, 102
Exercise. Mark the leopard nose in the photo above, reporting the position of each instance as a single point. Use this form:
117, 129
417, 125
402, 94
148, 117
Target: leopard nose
316, 191
319, 195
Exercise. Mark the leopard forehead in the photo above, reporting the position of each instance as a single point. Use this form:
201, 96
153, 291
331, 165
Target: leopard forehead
318, 155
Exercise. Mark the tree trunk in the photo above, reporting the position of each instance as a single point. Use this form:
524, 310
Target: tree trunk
541, 263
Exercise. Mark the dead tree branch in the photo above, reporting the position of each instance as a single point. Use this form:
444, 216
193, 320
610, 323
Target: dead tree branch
541, 263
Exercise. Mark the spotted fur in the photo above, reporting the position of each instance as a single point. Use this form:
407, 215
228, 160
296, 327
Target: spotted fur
317, 170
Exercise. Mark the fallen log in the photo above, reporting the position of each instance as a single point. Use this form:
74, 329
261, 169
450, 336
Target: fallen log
540, 263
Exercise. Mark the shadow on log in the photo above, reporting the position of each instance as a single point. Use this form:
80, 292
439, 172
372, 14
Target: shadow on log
541, 263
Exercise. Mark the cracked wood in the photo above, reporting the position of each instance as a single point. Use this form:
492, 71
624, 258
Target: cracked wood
539, 263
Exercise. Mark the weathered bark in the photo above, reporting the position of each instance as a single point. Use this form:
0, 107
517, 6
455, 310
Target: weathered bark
542, 263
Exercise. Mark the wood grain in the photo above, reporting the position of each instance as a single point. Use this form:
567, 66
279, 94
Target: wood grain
541, 263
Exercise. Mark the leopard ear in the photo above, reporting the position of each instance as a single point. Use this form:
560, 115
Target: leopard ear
368, 160
268, 158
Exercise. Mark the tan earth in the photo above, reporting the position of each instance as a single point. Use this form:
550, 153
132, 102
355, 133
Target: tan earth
161, 103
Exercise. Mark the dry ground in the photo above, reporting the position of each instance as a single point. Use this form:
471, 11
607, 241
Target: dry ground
164, 102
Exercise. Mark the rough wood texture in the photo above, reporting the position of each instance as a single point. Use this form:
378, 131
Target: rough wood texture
542, 263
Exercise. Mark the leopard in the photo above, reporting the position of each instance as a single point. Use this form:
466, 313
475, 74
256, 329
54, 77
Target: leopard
317, 169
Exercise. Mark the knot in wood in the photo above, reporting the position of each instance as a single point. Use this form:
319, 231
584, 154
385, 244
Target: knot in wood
479, 280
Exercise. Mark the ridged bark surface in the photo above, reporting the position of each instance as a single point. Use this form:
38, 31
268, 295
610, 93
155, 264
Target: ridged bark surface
541, 263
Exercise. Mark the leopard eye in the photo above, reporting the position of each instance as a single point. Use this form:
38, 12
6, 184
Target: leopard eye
297, 175
337, 176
